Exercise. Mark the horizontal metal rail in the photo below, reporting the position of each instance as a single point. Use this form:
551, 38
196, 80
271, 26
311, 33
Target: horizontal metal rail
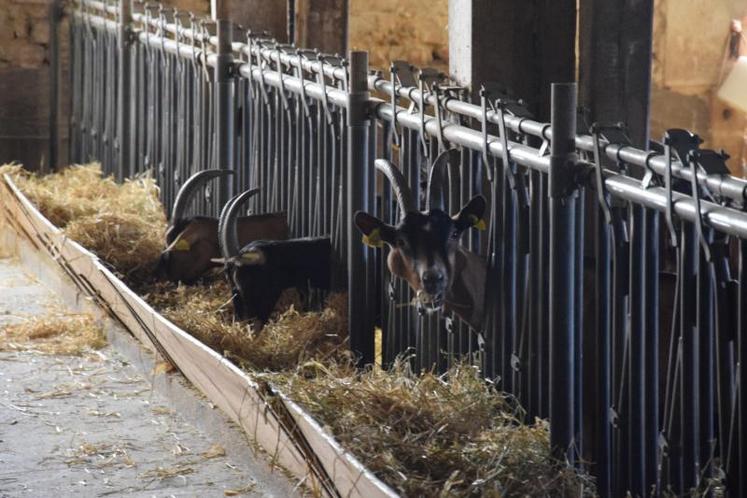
725, 186
727, 220
722, 185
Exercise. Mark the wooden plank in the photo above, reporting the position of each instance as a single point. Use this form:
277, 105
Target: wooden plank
523, 46
232, 390
615, 50
323, 25
351, 478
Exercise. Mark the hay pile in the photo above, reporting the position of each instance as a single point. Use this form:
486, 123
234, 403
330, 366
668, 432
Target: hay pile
425, 435
286, 341
57, 333
122, 224
428, 435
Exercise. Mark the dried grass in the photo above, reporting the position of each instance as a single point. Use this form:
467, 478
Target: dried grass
101, 455
425, 435
288, 339
58, 334
428, 435
122, 224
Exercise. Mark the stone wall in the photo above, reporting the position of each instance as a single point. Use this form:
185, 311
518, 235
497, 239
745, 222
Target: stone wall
690, 38
414, 30
24, 33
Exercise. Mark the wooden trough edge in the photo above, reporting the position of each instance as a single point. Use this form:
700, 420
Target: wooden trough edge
294, 440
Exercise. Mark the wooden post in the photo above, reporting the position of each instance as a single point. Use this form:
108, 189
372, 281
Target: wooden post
615, 44
522, 46
256, 15
322, 24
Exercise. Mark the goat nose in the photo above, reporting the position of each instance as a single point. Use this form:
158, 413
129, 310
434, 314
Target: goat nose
432, 278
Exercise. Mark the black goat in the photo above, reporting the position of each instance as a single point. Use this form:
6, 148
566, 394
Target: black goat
260, 271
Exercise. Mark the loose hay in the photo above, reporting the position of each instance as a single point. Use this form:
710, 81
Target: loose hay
122, 224
63, 334
433, 435
290, 338
424, 435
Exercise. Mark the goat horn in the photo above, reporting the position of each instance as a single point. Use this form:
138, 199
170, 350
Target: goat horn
399, 187
435, 198
190, 187
228, 235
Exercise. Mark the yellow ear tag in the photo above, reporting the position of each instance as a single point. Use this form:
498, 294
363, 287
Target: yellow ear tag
181, 245
373, 239
478, 223
251, 257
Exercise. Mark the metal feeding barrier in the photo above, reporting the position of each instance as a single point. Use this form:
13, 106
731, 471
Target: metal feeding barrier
616, 289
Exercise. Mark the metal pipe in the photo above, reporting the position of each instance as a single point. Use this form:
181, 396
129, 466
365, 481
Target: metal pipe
55, 13
562, 270
361, 333
728, 186
224, 94
123, 95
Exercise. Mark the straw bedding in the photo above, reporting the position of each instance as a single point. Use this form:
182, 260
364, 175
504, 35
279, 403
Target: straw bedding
56, 333
425, 435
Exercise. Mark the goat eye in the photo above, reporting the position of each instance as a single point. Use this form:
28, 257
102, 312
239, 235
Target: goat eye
455, 234
401, 243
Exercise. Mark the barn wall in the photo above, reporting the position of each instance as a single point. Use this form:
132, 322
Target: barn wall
414, 30
690, 39
24, 81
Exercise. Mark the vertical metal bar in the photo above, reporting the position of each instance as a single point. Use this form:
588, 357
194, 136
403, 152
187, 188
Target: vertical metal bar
562, 267
224, 89
741, 381
636, 386
651, 311
361, 333
690, 411
123, 94
603, 327
55, 12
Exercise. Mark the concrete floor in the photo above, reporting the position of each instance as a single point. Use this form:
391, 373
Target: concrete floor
96, 426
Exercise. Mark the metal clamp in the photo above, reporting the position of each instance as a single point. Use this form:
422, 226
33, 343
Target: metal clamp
204, 40
304, 54
322, 80
439, 119
677, 143
595, 132
485, 144
427, 78
711, 162
279, 50
261, 61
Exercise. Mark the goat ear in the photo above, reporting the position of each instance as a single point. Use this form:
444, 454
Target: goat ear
375, 232
472, 214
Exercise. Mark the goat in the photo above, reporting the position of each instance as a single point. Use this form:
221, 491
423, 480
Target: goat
424, 246
192, 243
261, 270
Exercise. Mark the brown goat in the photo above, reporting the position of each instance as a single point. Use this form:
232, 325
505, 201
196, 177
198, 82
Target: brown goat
425, 248
192, 243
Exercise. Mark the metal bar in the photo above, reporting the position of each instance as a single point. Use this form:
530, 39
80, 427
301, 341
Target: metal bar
224, 115
562, 280
361, 333
124, 168
727, 186
55, 13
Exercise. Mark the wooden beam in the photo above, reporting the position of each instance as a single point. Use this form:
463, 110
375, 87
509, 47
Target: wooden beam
615, 44
256, 15
322, 24
522, 46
